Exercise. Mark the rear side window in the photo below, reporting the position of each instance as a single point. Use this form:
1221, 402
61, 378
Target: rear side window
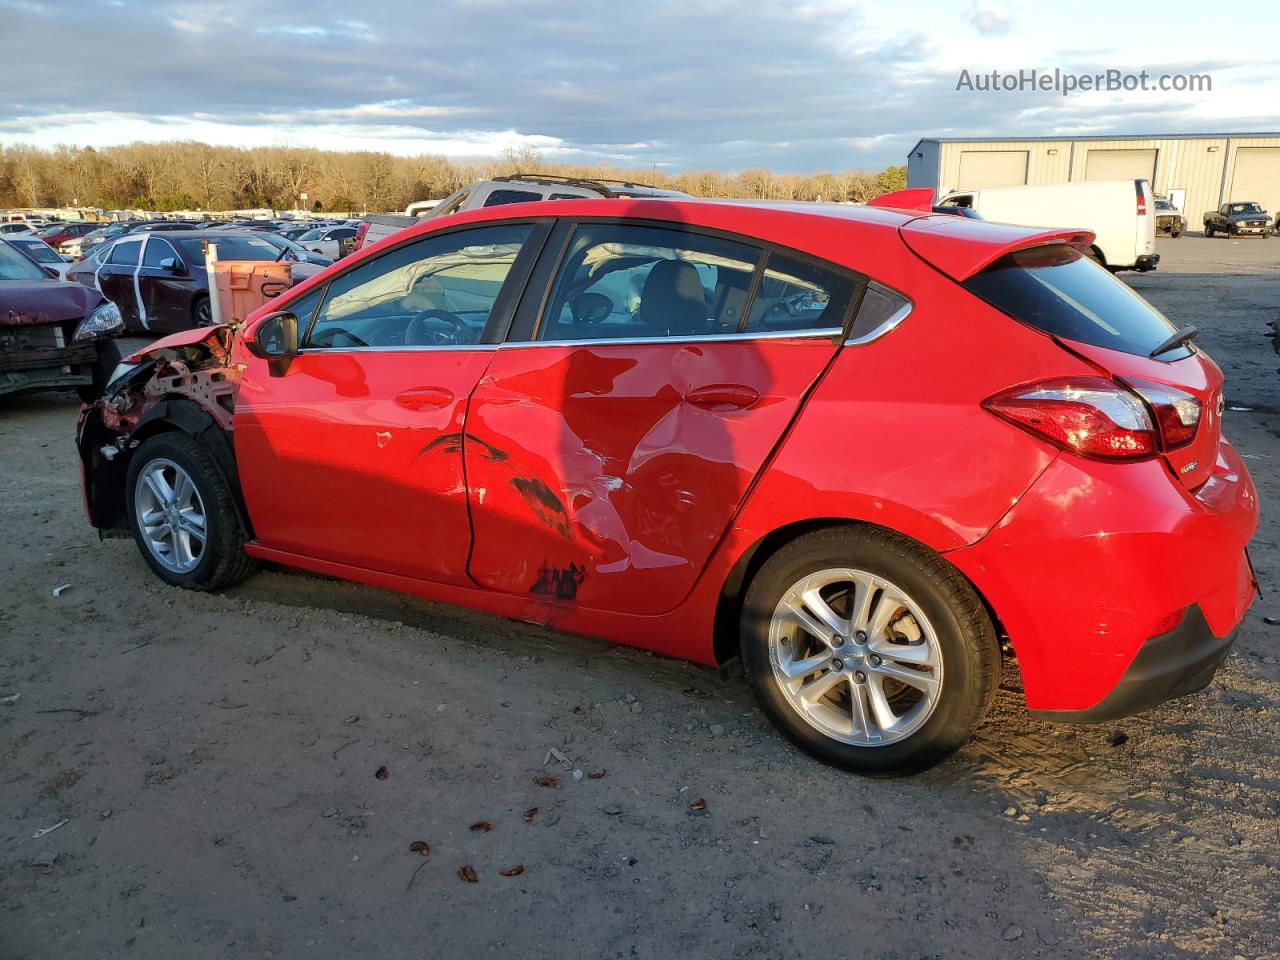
499, 197
1063, 293
630, 282
126, 253
794, 295
156, 251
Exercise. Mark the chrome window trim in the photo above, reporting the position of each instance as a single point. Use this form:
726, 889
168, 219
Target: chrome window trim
886, 326
417, 348
827, 333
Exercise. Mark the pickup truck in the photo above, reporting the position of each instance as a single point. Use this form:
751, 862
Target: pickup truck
516, 188
1236, 219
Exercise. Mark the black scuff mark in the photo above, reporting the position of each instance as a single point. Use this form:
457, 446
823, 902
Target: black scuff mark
559, 582
545, 505
452, 443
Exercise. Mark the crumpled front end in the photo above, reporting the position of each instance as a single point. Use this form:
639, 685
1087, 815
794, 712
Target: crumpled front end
183, 382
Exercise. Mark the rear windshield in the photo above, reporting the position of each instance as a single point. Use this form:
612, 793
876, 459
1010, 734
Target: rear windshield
1059, 291
248, 247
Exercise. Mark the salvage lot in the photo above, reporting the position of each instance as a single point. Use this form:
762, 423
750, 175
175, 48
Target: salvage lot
214, 758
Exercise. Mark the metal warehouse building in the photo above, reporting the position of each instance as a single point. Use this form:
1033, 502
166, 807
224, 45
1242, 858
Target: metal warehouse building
1200, 170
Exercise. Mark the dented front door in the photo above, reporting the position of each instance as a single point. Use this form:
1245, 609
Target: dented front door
353, 454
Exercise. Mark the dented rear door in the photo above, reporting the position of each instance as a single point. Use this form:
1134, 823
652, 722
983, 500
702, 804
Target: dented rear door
609, 447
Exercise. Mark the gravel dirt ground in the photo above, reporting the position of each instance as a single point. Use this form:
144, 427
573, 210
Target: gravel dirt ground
213, 762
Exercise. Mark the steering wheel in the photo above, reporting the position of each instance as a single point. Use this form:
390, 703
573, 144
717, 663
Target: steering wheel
417, 333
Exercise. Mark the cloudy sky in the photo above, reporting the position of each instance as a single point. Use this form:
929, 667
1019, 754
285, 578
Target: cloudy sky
795, 85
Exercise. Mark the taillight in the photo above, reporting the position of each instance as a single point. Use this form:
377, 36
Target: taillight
1177, 412
364, 228
1086, 415
1142, 199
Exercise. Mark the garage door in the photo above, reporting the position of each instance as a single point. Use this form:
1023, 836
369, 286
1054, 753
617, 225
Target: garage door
1120, 165
1257, 176
992, 168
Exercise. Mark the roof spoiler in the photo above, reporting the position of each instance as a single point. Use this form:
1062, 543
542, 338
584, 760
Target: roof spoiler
961, 247
917, 198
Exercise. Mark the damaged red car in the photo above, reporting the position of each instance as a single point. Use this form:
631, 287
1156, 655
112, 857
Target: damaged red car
857, 446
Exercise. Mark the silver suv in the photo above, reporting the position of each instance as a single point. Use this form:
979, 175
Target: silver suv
528, 187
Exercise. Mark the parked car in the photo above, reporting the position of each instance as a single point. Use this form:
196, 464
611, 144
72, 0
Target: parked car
55, 234
686, 426
1238, 219
1169, 219
327, 241
296, 253
51, 332
1119, 213
40, 252
159, 282
76, 248
17, 228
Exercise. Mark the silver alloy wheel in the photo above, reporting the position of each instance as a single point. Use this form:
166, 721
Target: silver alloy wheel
204, 313
856, 657
171, 515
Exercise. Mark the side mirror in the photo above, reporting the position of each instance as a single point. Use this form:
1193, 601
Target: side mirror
173, 265
274, 339
51, 273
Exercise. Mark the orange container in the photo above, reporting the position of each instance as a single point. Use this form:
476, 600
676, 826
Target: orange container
245, 285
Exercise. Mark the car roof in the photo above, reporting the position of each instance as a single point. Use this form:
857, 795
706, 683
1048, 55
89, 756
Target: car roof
886, 242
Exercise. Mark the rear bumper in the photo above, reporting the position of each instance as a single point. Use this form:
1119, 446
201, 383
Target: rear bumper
1098, 563
1170, 665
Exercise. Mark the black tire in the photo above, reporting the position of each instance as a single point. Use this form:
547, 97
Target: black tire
223, 561
1208, 229
1094, 254
200, 312
967, 639
1175, 233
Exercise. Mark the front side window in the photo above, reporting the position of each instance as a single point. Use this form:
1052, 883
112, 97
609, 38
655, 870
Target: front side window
437, 291
794, 295
627, 282
156, 251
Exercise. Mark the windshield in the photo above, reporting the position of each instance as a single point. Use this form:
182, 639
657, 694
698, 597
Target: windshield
1245, 208
231, 248
38, 250
14, 266
313, 234
1063, 293
1164, 205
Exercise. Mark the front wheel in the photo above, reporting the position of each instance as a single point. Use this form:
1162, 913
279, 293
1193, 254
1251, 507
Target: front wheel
868, 650
1208, 229
183, 516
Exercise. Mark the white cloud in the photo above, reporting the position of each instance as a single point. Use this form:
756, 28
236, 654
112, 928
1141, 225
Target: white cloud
989, 20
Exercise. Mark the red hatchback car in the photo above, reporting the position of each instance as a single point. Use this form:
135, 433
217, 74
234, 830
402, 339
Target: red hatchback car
856, 445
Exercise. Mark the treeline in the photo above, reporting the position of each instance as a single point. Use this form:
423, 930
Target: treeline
184, 175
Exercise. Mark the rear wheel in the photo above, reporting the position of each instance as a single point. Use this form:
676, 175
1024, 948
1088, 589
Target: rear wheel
201, 312
183, 515
867, 650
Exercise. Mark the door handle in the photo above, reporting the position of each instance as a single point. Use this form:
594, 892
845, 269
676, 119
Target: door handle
723, 396
422, 398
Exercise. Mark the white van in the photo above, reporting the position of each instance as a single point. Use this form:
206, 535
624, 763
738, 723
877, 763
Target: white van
1121, 213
